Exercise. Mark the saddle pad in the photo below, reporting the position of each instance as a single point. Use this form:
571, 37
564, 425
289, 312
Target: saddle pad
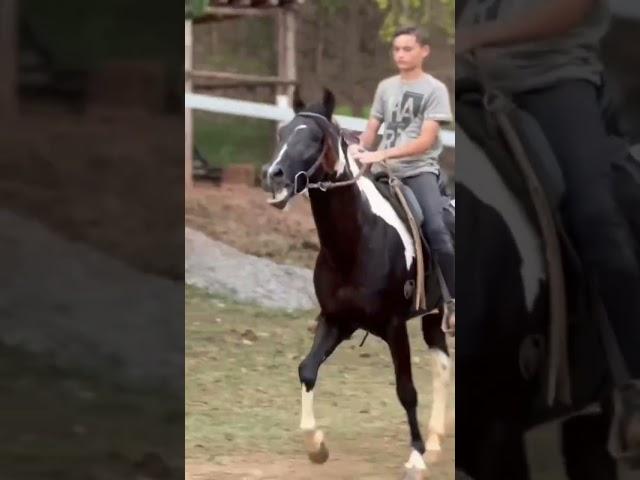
381, 181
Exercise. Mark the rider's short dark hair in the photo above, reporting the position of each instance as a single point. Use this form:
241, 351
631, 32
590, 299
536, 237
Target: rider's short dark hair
421, 36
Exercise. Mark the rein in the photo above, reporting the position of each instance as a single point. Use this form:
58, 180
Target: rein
323, 185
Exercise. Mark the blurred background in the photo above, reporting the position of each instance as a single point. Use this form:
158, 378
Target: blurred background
91, 338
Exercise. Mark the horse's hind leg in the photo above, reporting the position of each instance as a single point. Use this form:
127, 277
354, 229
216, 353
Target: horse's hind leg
441, 375
327, 337
398, 340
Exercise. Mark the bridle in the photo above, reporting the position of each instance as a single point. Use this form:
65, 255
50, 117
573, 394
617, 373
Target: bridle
323, 185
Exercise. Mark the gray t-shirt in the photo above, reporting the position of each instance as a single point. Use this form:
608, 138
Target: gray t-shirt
532, 65
404, 106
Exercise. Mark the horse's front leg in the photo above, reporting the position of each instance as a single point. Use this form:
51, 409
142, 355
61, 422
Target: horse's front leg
398, 340
327, 337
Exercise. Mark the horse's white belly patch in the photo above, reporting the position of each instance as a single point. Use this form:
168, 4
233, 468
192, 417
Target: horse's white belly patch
481, 177
382, 208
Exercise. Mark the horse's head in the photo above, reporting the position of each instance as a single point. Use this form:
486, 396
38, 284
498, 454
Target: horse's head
306, 150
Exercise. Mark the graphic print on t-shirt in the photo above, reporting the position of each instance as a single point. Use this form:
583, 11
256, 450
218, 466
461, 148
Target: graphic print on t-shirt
403, 113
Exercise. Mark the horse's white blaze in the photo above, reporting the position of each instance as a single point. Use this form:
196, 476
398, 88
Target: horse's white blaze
481, 177
277, 160
416, 461
382, 208
441, 381
307, 419
284, 149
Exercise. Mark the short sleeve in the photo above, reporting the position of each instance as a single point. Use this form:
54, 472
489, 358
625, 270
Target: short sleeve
438, 106
377, 109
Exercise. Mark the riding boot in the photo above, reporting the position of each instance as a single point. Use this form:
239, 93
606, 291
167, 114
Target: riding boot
446, 263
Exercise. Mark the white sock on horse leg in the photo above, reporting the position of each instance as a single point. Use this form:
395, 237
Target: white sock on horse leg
307, 419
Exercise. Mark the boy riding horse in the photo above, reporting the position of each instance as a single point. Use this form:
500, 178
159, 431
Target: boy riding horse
412, 105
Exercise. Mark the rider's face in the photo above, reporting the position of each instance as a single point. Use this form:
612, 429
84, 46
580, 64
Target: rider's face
408, 54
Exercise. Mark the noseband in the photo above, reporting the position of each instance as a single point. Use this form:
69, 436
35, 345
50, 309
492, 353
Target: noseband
327, 184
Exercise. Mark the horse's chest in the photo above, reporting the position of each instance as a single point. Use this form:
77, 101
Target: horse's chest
356, 299
368, 289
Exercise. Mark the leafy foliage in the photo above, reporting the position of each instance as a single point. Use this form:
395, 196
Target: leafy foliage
194, 8
432, 15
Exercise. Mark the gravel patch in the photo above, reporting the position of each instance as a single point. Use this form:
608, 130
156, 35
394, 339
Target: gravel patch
87, 310
220, 269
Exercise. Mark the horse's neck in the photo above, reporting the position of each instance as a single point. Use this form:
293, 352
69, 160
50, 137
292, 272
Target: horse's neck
339, 217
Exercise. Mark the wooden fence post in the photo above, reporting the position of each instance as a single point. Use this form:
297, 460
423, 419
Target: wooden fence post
188, 114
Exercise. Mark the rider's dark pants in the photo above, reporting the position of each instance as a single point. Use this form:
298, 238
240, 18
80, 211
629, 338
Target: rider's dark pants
570, 116
427, 191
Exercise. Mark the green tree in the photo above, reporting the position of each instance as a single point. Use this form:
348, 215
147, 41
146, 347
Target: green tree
435, 16
194, 8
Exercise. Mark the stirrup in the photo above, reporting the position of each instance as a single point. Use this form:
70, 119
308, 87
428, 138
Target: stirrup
449, 312
624, 437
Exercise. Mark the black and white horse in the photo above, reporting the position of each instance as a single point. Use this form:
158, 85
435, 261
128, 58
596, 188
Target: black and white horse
503, 301
366, 260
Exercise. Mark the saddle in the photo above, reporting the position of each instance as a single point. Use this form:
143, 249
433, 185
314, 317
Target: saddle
406, 205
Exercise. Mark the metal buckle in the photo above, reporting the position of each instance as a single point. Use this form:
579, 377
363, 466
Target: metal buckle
295, 182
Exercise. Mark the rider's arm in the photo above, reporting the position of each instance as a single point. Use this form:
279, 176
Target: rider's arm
422, 144
547, 20
369, 136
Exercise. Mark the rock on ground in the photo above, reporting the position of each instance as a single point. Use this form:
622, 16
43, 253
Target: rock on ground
221, 269
87, 310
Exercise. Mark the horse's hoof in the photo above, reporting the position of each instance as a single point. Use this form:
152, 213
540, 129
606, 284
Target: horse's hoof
415, 468
316, 448
433, 443
321, 455
414, 474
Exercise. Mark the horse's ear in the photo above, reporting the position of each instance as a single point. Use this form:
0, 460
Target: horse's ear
329, 103
298, 103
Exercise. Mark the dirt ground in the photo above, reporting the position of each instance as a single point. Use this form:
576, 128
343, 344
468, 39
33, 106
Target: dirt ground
242, 387
107, 179
71, 425
243, 400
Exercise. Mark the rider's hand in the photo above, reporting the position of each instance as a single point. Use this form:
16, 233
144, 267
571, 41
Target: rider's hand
370, 157
355, 149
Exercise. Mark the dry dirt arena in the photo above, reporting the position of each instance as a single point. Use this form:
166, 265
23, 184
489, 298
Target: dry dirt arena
242, 390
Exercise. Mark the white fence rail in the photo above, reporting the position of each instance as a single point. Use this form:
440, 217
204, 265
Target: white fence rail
268, 111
